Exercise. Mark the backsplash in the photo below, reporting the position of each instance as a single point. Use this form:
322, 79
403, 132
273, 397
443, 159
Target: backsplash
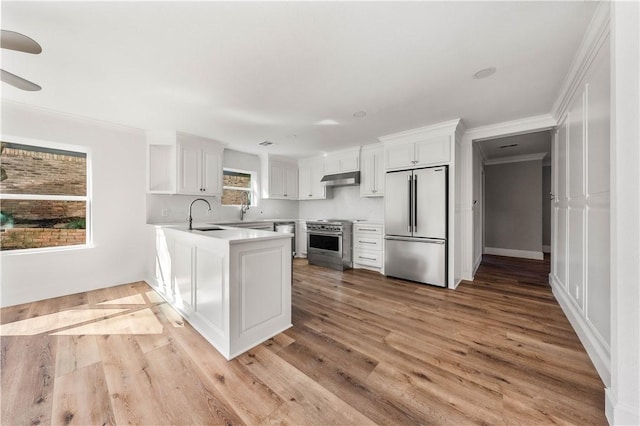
345, 203
177, 209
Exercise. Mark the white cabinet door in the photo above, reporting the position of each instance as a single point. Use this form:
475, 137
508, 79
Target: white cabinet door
189, 169
291, 182
400, 155
301, 239
432, 151
372, 173
211, 173
276, 180
332, 165
341, 162
199, 168
304, 183
310, 174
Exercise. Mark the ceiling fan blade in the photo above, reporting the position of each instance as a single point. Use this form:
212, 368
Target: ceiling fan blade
18, 82
20, 42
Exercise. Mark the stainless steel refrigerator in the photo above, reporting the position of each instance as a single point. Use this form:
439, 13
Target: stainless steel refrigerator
415, 215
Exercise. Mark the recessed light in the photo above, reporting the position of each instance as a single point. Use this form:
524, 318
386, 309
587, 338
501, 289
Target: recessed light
265, 143
327, 122
360, 114
484, 73
508, 146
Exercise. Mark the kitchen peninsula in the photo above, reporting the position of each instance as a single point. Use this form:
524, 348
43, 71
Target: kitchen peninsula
232, 285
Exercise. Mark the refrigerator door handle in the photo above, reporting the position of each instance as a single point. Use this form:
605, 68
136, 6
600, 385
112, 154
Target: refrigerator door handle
415, 203
415, 240
410, 205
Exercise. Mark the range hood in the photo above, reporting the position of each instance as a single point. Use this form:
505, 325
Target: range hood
342, 179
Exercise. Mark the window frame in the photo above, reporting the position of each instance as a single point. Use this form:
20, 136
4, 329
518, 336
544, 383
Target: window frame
39, 197
253, 190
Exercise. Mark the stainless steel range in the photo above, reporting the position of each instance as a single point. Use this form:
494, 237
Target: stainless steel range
329, 243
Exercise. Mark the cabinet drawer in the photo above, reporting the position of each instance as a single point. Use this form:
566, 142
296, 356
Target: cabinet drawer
368, 258
367, 242
364, 229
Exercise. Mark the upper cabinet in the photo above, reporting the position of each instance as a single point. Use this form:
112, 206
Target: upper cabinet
342, 161
184, 164
427, 152
426, 146
279, 177
310, 173
372, 171
199, 166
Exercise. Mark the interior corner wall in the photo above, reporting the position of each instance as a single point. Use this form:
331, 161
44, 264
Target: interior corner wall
513, 221
478, 207
121, 239
546, 208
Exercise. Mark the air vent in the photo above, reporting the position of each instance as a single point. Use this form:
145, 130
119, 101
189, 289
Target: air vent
508, 146
265, 143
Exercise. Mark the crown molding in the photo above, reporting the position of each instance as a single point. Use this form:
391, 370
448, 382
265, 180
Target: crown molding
509, 128
444, 127
596, 34
516, 159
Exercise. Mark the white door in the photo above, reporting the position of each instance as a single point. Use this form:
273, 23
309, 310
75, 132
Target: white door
212, 165
189, 170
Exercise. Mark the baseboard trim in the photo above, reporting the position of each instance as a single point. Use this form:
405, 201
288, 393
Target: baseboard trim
525, 254
546, 249
476, 264
617, 413
597, 352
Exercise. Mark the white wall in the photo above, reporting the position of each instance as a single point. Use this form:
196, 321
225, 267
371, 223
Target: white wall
345, 203
177, 206
623, 396
513, 208
121, 238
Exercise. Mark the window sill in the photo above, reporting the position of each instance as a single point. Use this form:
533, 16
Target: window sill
4, 253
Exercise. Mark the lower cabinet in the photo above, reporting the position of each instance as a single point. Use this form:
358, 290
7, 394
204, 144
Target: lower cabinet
368, 246
235, 293
301, 239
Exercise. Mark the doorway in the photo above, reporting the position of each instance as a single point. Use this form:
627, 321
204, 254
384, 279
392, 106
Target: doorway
512, 205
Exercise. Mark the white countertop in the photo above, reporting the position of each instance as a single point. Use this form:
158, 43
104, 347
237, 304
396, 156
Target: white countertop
228, 233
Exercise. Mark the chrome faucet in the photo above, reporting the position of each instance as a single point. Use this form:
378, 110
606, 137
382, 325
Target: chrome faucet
244, 204
191, 205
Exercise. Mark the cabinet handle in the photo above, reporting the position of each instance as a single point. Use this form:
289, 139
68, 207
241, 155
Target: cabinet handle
367, 229
366, 242
367, 258
310, 195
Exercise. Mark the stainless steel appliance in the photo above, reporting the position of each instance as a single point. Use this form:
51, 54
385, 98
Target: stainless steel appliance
415, 214
329, 243
289, 227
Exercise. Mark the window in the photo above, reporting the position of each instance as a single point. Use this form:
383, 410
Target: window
237, 187
43, 197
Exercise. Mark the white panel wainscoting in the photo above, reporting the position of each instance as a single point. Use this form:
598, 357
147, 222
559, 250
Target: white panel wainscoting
580, 272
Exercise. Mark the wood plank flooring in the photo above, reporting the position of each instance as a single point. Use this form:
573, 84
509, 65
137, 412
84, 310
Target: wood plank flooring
364, 349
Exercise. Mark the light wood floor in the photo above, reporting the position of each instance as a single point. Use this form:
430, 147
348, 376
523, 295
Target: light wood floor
364, 349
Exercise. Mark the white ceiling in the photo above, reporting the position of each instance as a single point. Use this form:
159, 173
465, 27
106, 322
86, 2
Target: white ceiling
244, 72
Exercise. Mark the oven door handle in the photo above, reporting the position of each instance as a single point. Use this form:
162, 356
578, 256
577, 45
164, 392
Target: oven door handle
330, 234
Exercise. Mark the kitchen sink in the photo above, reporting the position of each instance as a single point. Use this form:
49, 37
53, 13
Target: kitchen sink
209, 228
